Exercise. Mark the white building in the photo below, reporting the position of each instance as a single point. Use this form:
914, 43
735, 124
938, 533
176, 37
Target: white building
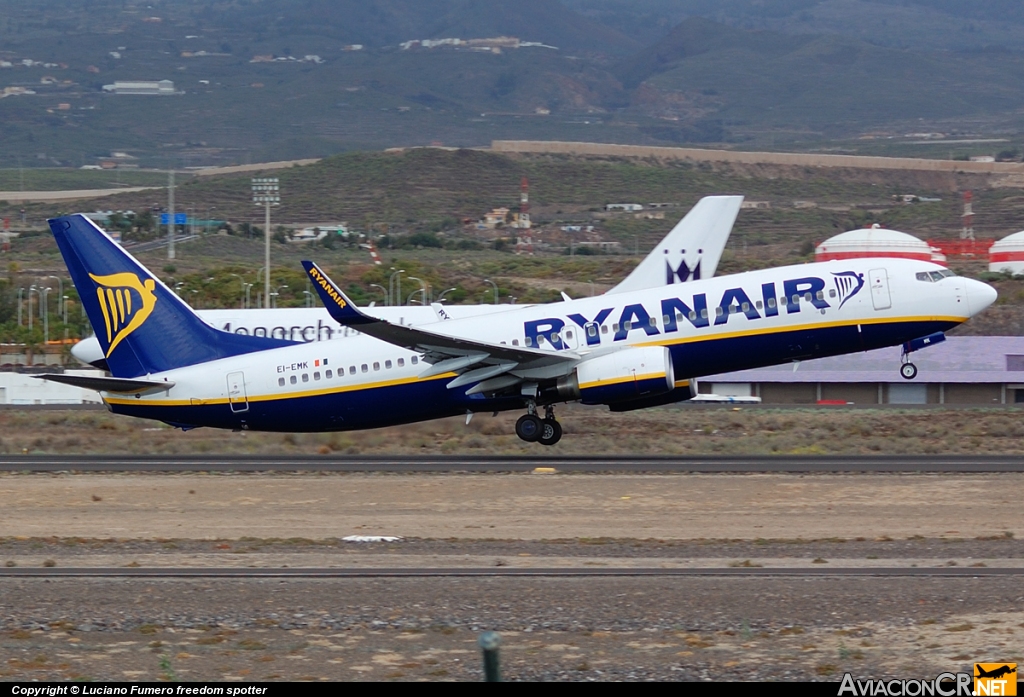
25, 388
631, 207
161, 87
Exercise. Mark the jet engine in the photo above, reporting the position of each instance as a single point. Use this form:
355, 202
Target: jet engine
622, 376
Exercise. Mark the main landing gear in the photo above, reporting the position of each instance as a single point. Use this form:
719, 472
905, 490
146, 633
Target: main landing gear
533, 429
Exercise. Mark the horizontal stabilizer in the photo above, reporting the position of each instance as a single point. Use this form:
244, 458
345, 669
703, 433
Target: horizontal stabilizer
107, 384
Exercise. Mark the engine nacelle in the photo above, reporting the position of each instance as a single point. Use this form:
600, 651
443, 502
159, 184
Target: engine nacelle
634, 373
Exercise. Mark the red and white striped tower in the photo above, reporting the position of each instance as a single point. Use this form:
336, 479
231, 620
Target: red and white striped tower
524, 204
968, 217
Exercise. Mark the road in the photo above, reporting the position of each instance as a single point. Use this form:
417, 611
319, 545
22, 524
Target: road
787, 464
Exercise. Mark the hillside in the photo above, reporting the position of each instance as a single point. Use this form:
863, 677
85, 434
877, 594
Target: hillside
267, 80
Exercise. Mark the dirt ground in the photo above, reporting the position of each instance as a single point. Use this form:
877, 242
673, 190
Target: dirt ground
676, 430
511, 506
579, 629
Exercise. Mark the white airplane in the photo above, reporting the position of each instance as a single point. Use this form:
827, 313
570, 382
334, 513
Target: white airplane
690, 251
627, 351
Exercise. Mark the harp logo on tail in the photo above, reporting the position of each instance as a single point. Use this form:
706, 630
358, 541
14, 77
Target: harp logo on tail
126, 303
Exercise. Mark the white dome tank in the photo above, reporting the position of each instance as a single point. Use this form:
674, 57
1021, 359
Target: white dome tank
1007, 254
876, 241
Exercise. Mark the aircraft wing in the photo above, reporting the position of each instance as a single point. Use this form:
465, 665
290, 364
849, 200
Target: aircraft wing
692, 249
446, 353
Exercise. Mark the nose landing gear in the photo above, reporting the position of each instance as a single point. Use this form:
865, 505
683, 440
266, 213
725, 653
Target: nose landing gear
908, 371
532, 429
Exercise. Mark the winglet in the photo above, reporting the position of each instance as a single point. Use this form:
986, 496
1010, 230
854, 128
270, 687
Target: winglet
338, 305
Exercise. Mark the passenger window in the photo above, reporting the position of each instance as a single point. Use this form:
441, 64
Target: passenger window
807, 296
515, 342
365, 368
415, 360
305, 377
746, 306
832, 293
280, 382
568, 335
328, 375
704, 313
820, 295
292, 380
615, 326
772, 303
351, 370
376, 365
693, 315
654, 323
554, 337
316, 375
796, 299
528, 341
604, 328
759, 305
387, 364
719, 311
401, 362
592, 330
628, 325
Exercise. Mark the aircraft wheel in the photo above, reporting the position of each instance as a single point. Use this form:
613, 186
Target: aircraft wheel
908, 371
551, 432
529, 427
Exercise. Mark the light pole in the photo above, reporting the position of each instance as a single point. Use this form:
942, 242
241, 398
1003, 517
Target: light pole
65, 306
46, 315
387, 300
21, 292
277, 291
443, 292
248, 287
31, 290
423, 290
170, 214
265, 190
487, 280
391, 287
241, 301
60, 292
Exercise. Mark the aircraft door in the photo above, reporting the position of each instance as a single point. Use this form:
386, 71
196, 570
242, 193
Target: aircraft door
879, 281
570, 337
236, 393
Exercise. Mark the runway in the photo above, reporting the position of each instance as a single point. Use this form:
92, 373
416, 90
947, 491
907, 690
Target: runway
783, 464
508, 572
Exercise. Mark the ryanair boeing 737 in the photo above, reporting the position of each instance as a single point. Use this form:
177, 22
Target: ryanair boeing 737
689, 252
628, 350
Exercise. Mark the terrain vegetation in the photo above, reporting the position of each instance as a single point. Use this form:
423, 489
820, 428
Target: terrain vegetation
261, 80
420, 206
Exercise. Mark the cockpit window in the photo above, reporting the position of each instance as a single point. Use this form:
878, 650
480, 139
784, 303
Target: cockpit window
934, 276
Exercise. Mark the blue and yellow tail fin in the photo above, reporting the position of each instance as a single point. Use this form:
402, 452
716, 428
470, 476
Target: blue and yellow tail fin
142, 326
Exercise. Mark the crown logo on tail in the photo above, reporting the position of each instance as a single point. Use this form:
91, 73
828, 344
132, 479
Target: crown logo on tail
126, 303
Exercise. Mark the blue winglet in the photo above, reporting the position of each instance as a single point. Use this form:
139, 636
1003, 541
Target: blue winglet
338, 305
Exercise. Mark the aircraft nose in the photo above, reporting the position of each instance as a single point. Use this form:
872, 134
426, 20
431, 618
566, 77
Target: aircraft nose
979, 296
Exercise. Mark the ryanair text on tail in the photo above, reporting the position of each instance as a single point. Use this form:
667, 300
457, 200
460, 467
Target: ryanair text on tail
995, 679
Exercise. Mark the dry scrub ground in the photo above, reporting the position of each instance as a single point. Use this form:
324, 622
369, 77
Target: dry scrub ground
676, 430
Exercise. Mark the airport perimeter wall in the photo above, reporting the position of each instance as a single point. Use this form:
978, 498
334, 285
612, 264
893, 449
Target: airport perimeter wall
776, 158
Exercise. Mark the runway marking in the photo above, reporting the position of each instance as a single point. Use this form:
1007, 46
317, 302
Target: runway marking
312, 573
